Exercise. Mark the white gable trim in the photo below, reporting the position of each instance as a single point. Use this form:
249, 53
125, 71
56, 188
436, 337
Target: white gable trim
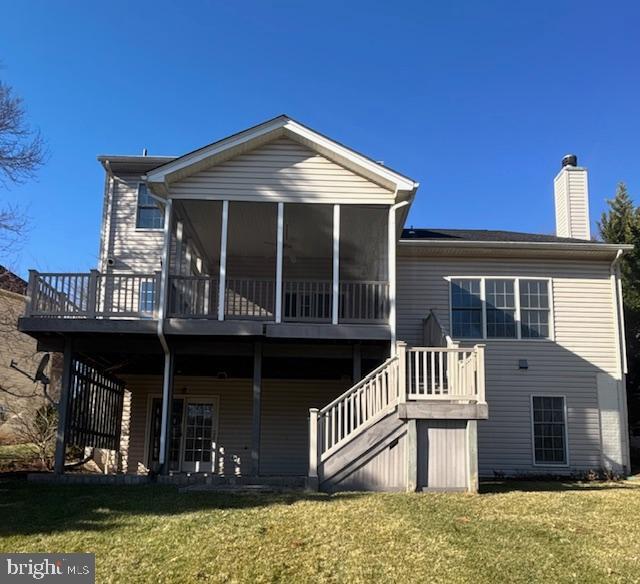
249, 139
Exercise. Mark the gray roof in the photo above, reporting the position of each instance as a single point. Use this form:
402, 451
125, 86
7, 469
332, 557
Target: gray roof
421, 234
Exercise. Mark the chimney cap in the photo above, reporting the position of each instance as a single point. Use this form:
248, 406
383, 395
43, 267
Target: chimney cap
569, 160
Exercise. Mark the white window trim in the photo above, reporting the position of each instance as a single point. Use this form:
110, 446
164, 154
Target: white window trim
565, 464
142, 229
483, 299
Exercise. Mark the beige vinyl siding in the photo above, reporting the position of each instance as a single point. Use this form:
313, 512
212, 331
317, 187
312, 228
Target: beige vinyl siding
281, 170
584, 346
285, 422
135, 250
578, 203
285, 412
234, 418
562, 205
572, 203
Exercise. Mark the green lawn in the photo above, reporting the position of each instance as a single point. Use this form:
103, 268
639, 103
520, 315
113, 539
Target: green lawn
514, 532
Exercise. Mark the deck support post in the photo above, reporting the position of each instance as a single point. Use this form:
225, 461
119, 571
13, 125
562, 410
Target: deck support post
279, 257
63, 407
412, 455
167, 400
257, 408
222, 284
313, 481
472, 456
336, 264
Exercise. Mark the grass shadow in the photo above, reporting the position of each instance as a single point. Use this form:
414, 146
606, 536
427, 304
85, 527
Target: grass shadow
28, 508
530, 486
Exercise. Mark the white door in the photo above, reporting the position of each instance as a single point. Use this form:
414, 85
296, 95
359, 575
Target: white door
200, 418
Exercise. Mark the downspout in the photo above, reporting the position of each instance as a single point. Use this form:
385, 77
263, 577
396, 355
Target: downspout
166, 379
621, 350
392, 273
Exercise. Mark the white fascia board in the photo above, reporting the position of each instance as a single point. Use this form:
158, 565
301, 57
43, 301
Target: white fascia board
341, 152
402, 183
550, 245
199, 155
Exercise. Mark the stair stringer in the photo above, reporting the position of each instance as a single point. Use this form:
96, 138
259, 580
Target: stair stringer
374, 460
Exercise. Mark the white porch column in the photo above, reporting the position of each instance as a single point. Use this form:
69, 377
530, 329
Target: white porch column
279, 256
336, 263
222, 284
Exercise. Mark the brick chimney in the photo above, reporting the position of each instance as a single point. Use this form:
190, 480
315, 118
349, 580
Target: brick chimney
571, 191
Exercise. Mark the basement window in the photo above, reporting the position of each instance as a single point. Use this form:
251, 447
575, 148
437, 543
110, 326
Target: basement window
149, 215
549, 429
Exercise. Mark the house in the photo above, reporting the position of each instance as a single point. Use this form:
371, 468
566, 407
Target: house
261, 314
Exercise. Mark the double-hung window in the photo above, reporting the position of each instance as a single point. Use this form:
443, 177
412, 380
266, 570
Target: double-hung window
149, 215
549, 429
534, 308
500, 308
466, 308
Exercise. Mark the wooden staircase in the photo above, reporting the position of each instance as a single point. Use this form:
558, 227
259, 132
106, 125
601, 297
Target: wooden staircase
359, 440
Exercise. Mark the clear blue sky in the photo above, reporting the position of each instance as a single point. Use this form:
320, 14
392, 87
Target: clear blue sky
476, 100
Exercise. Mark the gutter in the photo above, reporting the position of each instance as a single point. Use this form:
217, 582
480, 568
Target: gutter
537, 245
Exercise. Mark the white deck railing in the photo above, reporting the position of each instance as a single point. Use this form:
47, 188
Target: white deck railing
307, 300
364, 301
359, 407
448, 373
414, 374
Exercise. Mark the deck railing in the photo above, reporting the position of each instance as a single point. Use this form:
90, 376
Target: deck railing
250, 298
364, 301
358, 407
448, 373
130, 295
93, 295
193, 297
307, 300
